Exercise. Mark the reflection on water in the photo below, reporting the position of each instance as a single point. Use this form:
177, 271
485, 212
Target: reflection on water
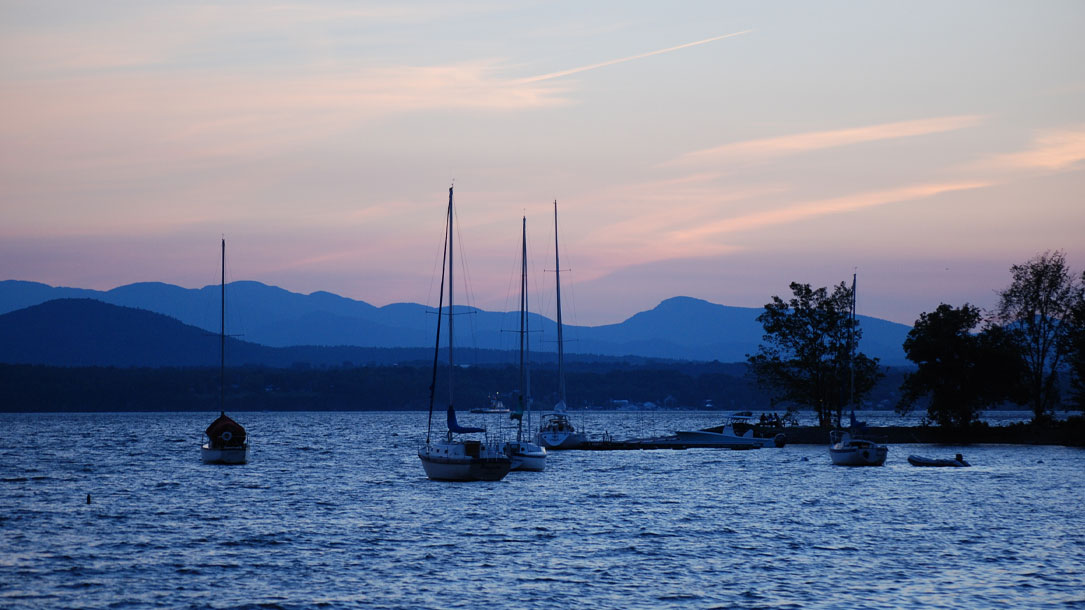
334, 510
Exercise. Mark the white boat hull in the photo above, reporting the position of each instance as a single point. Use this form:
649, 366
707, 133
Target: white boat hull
526, 456
857, 456
560, 440
455, 461
226, 455
722, 439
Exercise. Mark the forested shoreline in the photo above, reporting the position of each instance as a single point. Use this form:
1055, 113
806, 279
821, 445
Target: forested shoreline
678, 385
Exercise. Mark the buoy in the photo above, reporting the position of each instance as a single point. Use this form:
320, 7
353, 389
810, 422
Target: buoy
88, 498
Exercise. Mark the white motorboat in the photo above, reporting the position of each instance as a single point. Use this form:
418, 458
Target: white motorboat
555, 429
450, 459
227, 442
844, 450
524, 454
726, 436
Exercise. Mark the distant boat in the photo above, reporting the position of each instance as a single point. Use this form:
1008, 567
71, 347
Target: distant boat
496, 406
956, 462
449, 459
524, 454
847, 451
227, 442
728, 437
556, 431
844, 448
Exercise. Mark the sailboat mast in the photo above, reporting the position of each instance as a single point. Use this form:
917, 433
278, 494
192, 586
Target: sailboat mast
222, 334
523, 328
440, 306
451, 231
851, 347
557, 282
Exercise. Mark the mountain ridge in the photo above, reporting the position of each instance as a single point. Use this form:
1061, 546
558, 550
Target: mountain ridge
681, 328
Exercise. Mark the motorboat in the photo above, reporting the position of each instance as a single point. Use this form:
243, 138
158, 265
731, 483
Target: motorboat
956, 462
726, 436
845, 450
451, 459
496, 406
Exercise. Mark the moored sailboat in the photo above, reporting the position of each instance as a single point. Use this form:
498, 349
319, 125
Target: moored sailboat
449, 459
556, 431
227, 442
524, 454
845, 449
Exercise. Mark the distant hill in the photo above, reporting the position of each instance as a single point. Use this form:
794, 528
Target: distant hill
87, 332
678, 328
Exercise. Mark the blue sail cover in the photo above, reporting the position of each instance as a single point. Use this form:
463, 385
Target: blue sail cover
455, 427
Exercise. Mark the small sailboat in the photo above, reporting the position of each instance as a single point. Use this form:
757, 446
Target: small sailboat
845, 449
555, 430
449, 459
524, 454
227, 442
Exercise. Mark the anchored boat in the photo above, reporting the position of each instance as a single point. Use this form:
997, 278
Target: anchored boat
449, 459
227, 442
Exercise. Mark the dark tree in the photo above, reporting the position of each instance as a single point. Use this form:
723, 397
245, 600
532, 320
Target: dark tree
806, 355
961, 372
1037, 307
1076, 347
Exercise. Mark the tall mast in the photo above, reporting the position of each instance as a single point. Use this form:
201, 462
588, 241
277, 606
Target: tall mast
557, 282
851, 347
222, 334
440, 307
451, 231
523, 329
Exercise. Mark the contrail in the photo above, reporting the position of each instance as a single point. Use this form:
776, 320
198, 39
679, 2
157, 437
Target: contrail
533, 79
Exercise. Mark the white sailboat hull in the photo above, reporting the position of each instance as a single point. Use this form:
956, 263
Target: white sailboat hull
856, 456
526, 456
470, 461
226, 455
848, 451
560, 440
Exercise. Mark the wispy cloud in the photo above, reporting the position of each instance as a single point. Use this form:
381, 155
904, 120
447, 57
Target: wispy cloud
561, 73
814, 209
1052, 150
818, 140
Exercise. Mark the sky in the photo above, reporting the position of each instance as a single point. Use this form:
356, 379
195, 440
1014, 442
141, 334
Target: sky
718, 150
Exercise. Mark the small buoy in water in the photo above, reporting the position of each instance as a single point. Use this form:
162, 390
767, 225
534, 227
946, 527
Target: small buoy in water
88, 498
1039, 461
805, 459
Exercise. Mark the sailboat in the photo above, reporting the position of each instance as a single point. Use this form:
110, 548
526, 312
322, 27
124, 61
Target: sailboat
555, 430
845, 449
524, 454
227, 442
449, 459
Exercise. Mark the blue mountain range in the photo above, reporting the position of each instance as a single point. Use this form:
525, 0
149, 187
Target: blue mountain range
680, 328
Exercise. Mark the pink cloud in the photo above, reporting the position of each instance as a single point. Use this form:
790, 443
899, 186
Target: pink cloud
1052, 150
818, 140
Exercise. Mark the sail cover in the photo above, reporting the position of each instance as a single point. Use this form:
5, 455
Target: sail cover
225, 432
455, 427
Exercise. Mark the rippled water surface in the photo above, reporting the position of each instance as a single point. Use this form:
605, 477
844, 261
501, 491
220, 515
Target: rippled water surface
334, 511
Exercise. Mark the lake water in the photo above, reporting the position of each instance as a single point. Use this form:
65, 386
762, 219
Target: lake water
334, 511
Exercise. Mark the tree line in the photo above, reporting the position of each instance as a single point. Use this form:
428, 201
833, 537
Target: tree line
967, 360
